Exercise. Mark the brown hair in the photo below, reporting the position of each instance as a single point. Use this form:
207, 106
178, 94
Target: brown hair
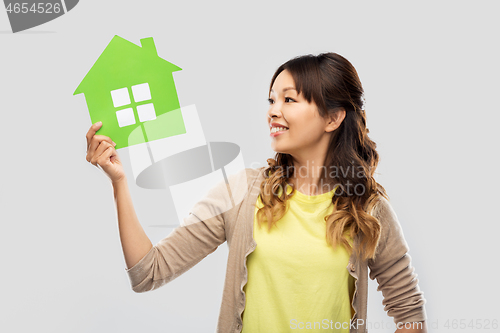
332, 83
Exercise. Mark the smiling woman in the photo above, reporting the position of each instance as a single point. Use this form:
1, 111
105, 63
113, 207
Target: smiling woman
319, 100
309, 226
318, 125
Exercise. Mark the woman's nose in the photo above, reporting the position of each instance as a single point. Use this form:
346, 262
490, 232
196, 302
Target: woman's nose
274, 111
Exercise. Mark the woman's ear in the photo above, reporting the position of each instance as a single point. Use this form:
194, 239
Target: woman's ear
334, 120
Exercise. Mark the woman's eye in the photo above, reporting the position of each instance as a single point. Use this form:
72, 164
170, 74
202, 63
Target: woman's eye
288, 99
270, 101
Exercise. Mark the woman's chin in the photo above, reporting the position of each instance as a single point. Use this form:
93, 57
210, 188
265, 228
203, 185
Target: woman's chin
280, 150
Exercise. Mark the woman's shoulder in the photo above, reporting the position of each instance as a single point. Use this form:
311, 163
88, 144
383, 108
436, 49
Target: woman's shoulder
241, 182
255, 171
382, 207
391, 230
250, 174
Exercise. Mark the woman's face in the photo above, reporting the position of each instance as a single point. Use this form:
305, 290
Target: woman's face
306, 128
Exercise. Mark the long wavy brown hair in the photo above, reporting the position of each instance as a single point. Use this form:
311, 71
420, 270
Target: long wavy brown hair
332, 83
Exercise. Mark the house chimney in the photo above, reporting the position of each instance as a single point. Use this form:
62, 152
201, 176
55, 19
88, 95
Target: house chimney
149, 45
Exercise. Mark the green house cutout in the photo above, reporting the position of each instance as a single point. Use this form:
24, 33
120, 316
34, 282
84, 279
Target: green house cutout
131, 86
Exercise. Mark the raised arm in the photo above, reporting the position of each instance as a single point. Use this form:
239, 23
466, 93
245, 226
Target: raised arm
149, 266
200, 233
403, 299
135, 242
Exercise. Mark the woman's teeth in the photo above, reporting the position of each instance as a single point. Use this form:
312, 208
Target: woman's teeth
278, 129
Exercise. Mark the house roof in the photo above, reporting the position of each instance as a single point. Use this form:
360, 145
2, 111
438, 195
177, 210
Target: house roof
120, 55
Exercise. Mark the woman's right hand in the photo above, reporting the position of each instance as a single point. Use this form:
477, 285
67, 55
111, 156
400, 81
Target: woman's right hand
101, 152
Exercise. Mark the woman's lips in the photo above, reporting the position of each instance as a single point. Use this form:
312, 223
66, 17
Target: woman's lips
278, 133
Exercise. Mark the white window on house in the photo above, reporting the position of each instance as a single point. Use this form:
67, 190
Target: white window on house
146, 112
120, 97
140, 93
125, 117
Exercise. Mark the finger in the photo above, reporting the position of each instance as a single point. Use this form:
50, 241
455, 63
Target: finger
94, 128
102, 147
103, 159
94, 143
100, 138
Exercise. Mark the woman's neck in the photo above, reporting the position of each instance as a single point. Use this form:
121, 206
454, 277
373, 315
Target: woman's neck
307, 177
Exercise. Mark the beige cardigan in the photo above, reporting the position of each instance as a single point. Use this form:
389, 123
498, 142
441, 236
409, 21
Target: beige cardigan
189, 243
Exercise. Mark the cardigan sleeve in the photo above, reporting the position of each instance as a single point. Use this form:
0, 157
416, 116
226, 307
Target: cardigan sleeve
200, 234
403, 299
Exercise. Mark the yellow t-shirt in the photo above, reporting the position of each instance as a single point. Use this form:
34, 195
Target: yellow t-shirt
296, 280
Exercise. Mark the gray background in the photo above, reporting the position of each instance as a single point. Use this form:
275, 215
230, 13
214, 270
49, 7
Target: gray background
430, 71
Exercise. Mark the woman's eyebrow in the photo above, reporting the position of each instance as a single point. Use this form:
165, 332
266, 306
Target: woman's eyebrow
285, 89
